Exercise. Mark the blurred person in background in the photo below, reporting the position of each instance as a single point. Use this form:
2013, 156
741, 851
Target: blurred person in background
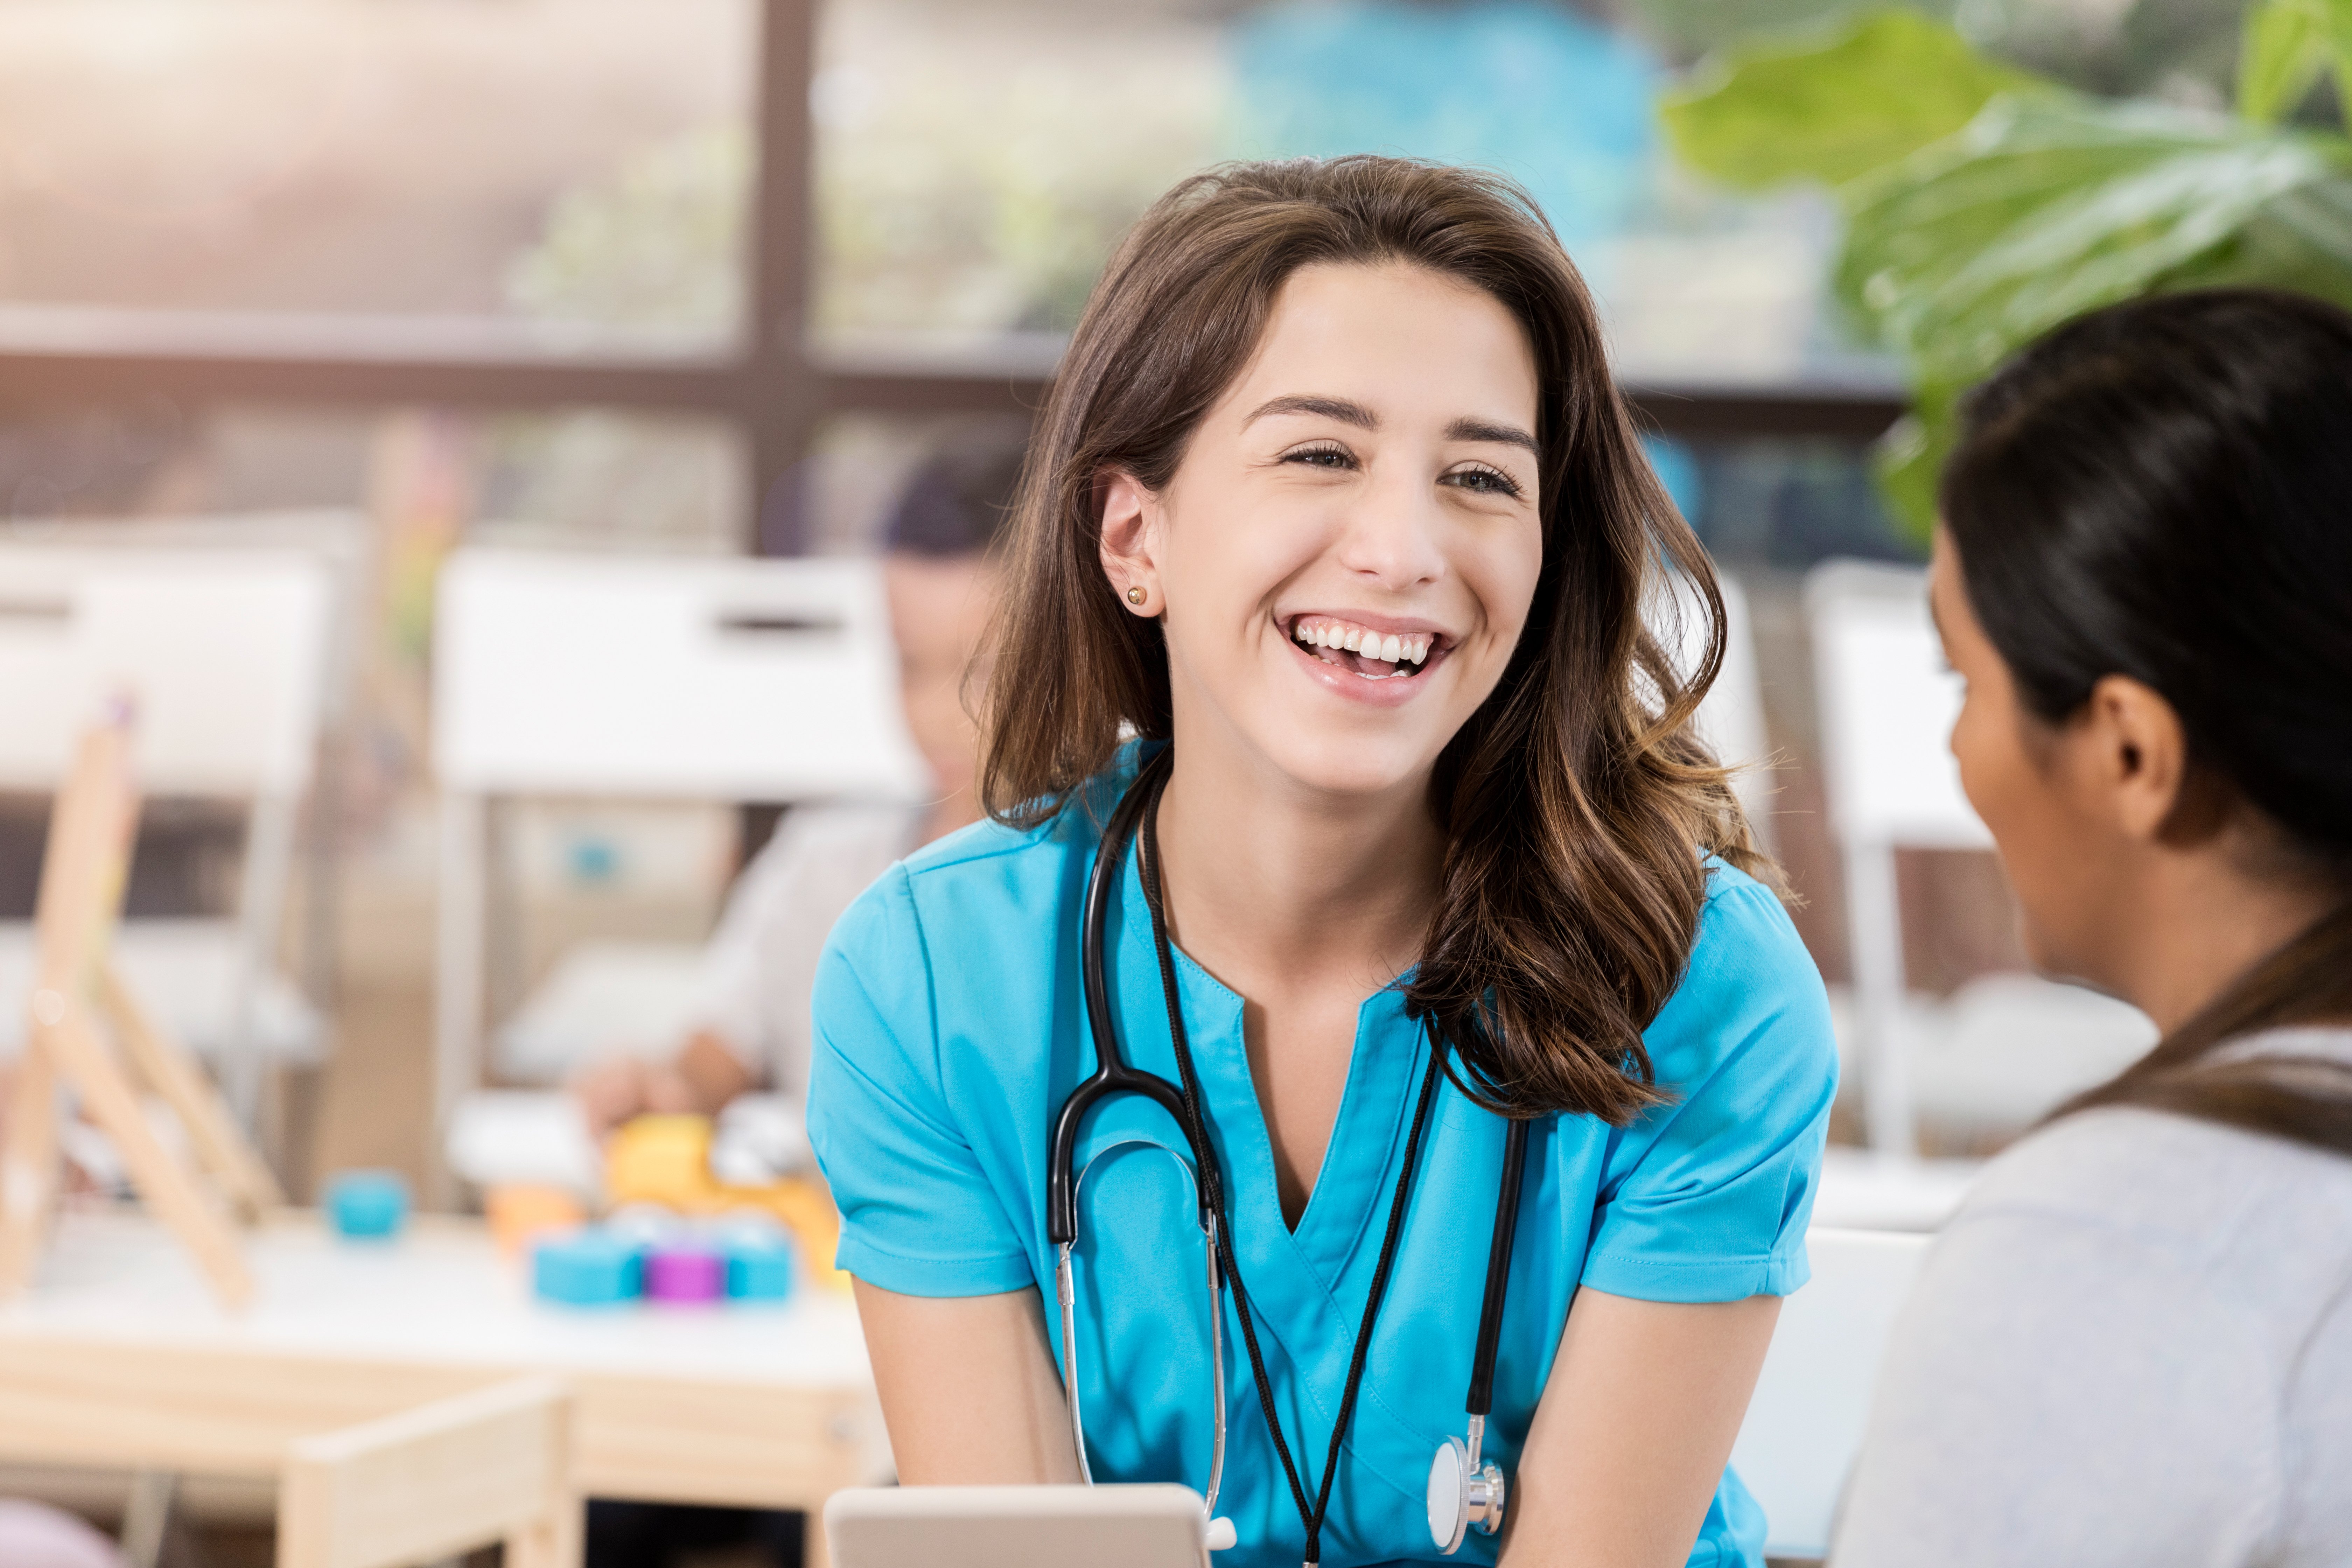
2134, 1343
940, 572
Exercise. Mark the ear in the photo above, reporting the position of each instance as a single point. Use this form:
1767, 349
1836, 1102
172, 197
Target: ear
1130, 541
2137, 755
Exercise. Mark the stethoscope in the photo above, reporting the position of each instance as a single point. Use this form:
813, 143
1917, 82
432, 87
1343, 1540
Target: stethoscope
1464, 1489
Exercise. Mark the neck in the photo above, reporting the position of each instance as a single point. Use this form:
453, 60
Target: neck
2201, 924
1268, 881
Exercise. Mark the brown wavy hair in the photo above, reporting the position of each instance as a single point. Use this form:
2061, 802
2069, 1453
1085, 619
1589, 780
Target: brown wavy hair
1576, 801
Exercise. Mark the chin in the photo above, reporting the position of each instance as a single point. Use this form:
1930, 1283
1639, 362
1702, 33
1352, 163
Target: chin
1337, 762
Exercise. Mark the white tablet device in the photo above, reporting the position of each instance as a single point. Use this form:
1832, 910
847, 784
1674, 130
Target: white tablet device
1017, 1527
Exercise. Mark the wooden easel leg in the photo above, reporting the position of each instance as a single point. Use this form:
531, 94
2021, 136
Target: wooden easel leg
147, 1517
28, 1168
173, 1074
167, 1189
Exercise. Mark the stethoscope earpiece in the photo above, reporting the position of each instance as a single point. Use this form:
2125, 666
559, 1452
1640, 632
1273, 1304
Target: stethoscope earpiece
1463, 1489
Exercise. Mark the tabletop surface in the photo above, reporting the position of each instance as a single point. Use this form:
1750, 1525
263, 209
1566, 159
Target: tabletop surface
441, 1294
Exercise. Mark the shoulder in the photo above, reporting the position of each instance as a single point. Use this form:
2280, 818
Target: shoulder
1744, 924
2264, 1224
1748, 983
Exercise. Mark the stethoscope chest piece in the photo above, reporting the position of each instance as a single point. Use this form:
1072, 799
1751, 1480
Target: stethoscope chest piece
1463, 1491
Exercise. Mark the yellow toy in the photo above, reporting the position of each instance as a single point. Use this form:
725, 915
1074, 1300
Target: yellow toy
666, 1160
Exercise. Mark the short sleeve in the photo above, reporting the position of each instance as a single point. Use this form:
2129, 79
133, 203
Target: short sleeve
1707, 1198
918, 1213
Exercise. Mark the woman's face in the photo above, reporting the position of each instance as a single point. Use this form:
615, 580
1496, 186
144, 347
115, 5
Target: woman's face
1344, 559
2022, 776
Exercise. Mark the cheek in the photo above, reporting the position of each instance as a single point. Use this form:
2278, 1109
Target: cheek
1994, 773
1500, 570
2039, 848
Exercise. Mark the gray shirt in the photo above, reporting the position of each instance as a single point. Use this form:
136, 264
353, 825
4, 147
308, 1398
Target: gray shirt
2133, 1345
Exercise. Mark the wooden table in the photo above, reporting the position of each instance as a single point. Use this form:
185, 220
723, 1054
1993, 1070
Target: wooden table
118, 1356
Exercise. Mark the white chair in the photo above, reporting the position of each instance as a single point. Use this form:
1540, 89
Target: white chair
1804, 1425
667, 678
225, 652
2004, 1048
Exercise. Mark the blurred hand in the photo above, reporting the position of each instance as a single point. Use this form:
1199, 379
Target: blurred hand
703, 1078
612, 1091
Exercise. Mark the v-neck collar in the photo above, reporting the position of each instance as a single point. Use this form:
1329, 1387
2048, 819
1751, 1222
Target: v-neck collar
1349, 1196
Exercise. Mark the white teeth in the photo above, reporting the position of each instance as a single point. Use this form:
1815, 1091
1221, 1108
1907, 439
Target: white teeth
1401, 649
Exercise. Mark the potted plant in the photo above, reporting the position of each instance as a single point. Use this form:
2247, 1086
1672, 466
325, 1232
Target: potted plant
1985, 204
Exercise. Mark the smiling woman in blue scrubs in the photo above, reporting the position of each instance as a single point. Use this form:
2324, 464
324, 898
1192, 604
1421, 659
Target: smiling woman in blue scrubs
1335, 503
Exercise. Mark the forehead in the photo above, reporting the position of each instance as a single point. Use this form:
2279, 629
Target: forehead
1401, 339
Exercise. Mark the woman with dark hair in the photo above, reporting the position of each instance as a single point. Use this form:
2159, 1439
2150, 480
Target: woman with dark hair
1326, 600
2134, 1343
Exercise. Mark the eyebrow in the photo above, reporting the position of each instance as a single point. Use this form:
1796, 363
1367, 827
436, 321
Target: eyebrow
1485, 430
1348, 412
1344, 410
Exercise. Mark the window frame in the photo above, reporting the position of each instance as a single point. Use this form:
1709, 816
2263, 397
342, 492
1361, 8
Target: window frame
775, 388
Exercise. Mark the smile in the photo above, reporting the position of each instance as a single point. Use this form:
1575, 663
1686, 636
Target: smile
1366, 651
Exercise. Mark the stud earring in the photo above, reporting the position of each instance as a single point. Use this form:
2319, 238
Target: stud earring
1135, 595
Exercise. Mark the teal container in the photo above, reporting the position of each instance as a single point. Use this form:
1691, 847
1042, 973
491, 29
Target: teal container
588, 1269
366, 1206
759, 1269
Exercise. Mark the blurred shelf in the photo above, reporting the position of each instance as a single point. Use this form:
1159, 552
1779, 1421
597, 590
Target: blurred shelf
59, 357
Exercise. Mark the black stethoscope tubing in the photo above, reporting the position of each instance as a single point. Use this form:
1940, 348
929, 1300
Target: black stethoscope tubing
1113, 1076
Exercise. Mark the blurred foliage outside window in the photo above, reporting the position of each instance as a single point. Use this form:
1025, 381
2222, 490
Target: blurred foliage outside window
1985, 204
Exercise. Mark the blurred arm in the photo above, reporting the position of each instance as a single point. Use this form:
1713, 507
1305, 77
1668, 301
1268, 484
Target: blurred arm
968, 1388
1634, 1429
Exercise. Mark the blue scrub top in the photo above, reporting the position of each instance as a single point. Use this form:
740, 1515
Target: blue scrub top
949, 1025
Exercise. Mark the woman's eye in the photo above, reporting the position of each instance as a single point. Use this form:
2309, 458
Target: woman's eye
1321, 457
1484, 481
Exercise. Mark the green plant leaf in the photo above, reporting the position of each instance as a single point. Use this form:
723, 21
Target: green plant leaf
1836, 106
2043, 209
2285, 46
1908, 460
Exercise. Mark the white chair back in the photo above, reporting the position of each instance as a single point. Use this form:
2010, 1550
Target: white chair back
223, 653
1886, 703
647, 677
1804, 1425
666, 678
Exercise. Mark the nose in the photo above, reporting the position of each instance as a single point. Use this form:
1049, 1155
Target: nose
1391, 539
